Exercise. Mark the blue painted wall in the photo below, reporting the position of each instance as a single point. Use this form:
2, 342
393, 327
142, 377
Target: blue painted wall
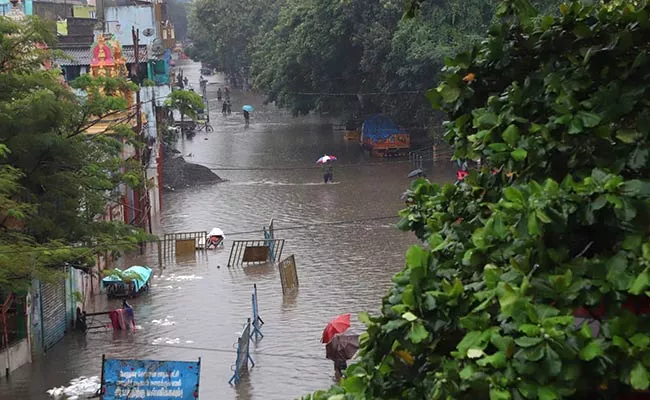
5, 6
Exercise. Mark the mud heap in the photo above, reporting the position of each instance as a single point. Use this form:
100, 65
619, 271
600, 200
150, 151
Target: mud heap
179, 174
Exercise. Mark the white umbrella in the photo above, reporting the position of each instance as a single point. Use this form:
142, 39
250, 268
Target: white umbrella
325, 159
216, 232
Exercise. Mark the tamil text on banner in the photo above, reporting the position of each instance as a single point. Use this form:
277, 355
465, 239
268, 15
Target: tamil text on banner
149, 380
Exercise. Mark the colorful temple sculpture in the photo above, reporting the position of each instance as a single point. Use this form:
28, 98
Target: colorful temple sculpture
107, 60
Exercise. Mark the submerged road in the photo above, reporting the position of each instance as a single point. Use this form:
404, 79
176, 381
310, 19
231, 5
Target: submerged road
197, 305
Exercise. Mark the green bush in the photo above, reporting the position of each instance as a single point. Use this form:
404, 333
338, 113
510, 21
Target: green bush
556, 220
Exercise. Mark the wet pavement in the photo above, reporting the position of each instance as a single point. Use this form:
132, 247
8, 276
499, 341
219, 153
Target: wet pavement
197, 305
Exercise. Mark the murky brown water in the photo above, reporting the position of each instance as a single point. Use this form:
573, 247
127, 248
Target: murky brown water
196, 308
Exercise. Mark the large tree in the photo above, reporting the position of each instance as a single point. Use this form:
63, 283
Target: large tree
310, 60
54, 180
533, 280
224, 31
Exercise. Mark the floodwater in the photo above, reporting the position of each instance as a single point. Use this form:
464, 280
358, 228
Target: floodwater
197, 305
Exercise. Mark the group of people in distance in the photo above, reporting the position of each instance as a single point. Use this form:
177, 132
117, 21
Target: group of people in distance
226, 107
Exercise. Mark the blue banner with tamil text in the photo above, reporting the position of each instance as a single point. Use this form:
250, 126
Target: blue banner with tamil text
147, 379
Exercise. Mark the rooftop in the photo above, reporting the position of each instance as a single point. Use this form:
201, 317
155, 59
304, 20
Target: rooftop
78, 56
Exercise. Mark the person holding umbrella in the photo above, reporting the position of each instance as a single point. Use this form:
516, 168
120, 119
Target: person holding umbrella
325, 161
339, 347
247, 109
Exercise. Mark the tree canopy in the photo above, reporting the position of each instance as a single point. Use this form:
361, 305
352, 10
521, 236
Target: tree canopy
533, 279
319, 55
186, 102
223, 32
55, 181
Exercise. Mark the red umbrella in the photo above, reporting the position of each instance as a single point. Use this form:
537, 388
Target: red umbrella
339, 324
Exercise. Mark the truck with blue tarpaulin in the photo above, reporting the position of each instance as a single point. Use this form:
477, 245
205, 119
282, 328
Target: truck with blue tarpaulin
382, 137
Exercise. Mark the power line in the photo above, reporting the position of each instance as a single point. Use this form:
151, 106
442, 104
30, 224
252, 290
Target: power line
216, 350
128, 242
246, 168
357, 94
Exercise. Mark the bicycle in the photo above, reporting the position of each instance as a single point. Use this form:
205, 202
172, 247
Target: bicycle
204, 125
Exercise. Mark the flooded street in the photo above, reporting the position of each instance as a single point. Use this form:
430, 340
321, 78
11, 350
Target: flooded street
197, 305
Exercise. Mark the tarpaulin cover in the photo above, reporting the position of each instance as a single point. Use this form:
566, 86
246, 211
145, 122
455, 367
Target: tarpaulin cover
379, 127
143, 275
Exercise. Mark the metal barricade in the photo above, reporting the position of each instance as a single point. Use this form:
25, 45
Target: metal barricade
255, 251
243, 354
171, 241
257, 320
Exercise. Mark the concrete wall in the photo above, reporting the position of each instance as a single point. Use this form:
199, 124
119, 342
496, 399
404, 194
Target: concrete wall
84, 11
119, 21
34, 318
52, 11
152, 97
17, 355
80, 32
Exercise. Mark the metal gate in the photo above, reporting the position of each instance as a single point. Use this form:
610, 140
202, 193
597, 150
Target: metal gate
53, 312
247, 251
170, 239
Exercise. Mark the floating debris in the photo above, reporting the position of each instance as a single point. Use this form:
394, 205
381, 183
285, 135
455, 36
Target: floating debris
179, 278
167, 321
166, 340
80, 388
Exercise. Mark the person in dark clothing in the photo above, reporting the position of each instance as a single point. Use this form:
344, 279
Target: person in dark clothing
247, 117
219, 94
185, 81
340, 365
81, 320
224, 108
229, 108
328, 176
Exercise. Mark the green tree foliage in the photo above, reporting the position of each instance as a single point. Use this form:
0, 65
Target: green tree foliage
312, 49
54, 180
318, 55
223, 31
321, 48
555, 222
186, 102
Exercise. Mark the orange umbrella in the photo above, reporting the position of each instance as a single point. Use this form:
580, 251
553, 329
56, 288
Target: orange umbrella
339, 324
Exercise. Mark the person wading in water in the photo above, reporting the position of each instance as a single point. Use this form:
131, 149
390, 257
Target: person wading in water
328, 175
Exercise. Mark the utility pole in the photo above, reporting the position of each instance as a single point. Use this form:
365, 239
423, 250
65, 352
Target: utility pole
143, 199
135, 34
99, 14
